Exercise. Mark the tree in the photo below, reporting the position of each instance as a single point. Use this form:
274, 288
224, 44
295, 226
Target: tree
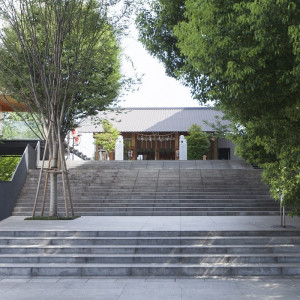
107, 138
14, 126
60, 58
197, 143
249, 50
155, 22
247, 57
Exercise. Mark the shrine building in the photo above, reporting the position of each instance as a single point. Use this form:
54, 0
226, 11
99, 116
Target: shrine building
153, 133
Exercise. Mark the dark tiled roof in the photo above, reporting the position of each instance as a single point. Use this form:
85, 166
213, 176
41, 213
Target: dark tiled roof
156, 119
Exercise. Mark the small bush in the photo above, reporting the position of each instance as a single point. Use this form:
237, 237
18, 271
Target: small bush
8, 166
197, 143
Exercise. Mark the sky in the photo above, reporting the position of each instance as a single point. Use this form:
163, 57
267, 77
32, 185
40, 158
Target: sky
156, 89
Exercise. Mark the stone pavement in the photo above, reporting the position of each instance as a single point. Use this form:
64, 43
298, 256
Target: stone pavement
149, 289
152, 288
159, 223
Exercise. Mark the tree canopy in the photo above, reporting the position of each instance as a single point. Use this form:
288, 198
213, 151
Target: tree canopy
246, 56
107, 138
66, 50
156, 21
61, 58
197, 143
14, 126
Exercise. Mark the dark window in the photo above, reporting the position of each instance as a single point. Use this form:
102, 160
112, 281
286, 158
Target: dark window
224, 153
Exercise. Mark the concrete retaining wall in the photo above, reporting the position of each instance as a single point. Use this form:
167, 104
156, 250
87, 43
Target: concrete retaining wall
9, 190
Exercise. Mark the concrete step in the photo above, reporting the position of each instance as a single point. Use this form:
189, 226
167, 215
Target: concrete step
150, 253
182, 188
150, 258
150, 270
294, 233
168, 208
163, 213
153, 204
199, 241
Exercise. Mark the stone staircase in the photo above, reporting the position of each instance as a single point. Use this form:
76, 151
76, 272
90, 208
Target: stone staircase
162, 188
141, 188
150, 253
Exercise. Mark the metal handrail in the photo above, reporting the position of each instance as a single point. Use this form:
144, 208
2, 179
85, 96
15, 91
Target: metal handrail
282, 212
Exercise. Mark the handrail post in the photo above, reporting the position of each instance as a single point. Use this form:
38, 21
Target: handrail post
282, 212
38, 153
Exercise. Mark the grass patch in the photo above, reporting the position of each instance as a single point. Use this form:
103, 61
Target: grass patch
8, 166
46, 218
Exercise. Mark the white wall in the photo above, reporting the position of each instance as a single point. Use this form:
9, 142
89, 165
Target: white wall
86, 145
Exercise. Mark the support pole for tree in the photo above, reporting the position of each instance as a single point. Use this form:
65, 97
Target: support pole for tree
45, 188
68, 186
41, 173
63, 171
282, 212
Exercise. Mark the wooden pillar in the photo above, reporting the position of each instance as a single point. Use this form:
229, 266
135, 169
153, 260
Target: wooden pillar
97, 156
215, 145
97, 153
133, 145
111, 155
176, 145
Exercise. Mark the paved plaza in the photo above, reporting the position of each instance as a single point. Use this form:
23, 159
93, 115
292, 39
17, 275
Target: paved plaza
149, 288
152, 288
155, 223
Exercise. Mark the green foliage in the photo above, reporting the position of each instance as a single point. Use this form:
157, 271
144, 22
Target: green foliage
155, 22
8, 166
107, 139
14, 126
245, 51
83, 76
220, 130
197, 143
274, 146
246, 57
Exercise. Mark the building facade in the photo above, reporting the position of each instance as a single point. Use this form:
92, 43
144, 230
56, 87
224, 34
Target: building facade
153, 133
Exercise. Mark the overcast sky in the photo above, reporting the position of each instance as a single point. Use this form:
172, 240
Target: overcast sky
157, 89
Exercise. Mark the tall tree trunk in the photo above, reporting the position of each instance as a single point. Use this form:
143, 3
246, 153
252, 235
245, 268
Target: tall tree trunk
53, 180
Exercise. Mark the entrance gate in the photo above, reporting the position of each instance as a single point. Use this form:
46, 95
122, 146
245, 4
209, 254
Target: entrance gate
156, 146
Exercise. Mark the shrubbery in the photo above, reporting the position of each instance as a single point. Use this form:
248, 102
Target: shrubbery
8, 165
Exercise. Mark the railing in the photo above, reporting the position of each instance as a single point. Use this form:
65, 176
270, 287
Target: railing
282, 212
76, 152
9, 190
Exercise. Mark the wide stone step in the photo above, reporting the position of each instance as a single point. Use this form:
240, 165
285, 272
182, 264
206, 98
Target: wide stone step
167, 208
162, 208
191, 188
147, 259
150, 269
149, 249
163, 213
192, 241
154, 234
150, 253
110, 204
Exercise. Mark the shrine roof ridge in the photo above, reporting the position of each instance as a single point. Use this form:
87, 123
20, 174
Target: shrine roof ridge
156, 119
